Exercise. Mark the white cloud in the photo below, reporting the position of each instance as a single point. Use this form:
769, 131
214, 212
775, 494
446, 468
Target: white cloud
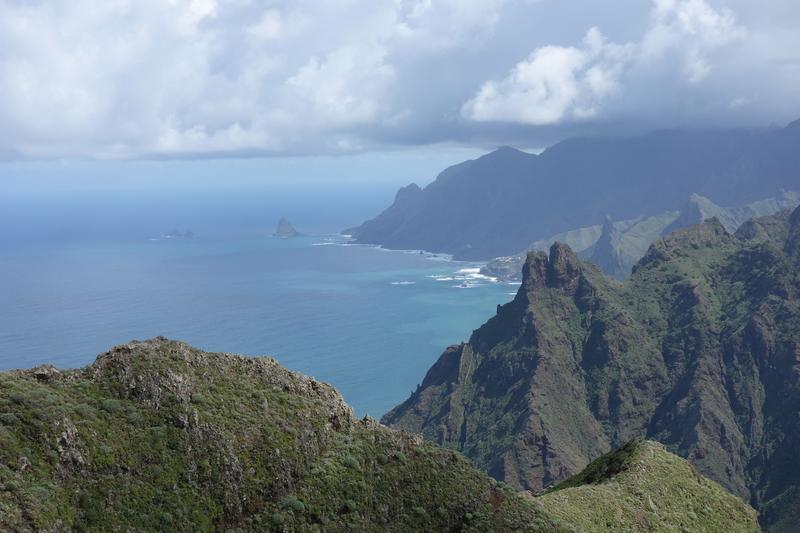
693, 28
439, 25
131, 78
556, 84
345, 88
121, 78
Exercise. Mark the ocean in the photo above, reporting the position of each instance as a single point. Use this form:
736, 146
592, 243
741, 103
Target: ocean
83, 271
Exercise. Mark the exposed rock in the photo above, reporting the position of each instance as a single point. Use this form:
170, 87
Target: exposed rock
67, 446
285, 230
698, 349
45, 372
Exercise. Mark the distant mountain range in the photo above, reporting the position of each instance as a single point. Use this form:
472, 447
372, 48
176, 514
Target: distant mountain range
498, 204
698, 349
615, 247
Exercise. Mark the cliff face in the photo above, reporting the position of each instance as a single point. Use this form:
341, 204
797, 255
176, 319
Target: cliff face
502, 202
616, 246
698, 349
158, 436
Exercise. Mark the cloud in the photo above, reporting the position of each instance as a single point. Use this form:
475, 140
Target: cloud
553, 83
557, 83
189, 78
345, 88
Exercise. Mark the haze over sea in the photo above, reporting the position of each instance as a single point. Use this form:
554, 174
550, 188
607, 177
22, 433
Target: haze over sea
83, 270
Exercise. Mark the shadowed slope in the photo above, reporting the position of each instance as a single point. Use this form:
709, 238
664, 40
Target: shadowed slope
698, 349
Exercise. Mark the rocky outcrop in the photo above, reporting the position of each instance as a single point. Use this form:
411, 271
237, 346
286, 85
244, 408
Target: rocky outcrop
285, 230
698, 349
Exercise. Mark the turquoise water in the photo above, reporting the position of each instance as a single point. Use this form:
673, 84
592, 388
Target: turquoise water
366, 320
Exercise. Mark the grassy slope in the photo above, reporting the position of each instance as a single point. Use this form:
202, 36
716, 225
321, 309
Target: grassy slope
642, 487
160, 436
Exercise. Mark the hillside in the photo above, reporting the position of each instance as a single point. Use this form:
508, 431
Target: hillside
159, 436
643, 485
498, 204
698, 349
616, 246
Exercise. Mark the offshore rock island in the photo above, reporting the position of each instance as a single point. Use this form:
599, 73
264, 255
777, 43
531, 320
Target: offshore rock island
285, 230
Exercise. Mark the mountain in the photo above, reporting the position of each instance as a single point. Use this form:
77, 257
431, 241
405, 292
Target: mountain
622, 244
615, 247
500, 203
285, 230
159, 436
699, 349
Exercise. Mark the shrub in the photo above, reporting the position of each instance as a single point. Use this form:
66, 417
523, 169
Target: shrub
350, 462
111, 406
8, 419
133, 416
350, 506
294, 504
30, 398
84, 410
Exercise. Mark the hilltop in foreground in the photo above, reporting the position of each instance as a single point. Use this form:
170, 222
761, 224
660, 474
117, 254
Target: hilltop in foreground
157, 435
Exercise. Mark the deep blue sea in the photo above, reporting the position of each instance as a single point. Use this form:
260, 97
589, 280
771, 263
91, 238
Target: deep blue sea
80, 272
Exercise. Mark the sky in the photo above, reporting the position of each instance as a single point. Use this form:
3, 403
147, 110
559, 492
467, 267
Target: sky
341, 83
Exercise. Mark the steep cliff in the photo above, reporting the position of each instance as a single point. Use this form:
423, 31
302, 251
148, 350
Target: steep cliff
698, 349
500, 203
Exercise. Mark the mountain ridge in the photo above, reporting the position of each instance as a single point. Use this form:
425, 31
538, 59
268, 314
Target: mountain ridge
698, 349
157, 435
616, 246
480, 209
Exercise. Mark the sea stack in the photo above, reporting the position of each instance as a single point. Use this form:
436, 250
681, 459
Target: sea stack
285, 229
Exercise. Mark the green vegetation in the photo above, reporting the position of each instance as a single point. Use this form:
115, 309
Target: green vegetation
643, 487
698, 349
616, 246
159, 436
